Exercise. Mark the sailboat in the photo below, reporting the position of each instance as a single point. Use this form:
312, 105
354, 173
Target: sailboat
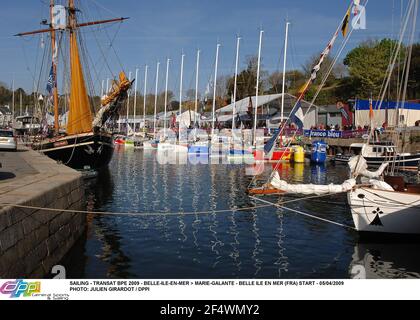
394, 208
381, 201
273, 153
86, 143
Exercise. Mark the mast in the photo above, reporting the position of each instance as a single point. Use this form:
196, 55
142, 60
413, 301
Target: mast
180, 88
80, 115
102, 88
166, 95
284, 70
235, 86
257, 89
156, 98
144, 96
128, 105
20, 103
196, 85
135, 100
54, 62
13, 99
216, 65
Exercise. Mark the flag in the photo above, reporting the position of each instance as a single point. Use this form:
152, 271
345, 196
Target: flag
51, 82
345, 26
344, 113
371, 115
326, 51
268, 147
297, 115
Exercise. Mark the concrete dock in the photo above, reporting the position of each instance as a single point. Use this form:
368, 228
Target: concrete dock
32, 240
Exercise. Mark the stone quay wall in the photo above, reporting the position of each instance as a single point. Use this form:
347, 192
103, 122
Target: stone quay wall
32, 241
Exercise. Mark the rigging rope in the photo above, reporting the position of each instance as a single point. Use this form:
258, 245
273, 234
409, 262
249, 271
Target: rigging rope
145, 214
303, 213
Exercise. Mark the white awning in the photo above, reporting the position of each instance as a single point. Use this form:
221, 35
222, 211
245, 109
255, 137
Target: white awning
243, 105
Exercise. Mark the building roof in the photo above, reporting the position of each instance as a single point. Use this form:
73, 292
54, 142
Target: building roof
274, 100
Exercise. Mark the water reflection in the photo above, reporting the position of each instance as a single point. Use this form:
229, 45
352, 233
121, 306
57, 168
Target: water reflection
254, 243
385, 261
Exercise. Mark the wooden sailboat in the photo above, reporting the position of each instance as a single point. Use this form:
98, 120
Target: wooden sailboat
86, 143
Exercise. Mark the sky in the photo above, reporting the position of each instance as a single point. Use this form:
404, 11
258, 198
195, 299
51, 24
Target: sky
162, 29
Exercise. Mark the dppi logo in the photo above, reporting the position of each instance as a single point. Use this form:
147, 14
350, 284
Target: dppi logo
19, 288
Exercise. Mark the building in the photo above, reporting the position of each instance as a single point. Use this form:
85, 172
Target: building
387, 113
268, 110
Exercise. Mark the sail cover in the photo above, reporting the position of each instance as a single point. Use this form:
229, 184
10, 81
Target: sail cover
80, 116
310, 189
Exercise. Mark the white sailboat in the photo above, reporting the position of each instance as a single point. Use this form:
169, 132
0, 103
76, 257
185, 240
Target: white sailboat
198, 146
153, 143
397, 208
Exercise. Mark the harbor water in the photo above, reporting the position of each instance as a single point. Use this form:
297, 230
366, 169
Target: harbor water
200, 242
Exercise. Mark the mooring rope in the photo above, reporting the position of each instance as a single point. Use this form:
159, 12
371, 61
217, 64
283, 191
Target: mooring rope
266, 204
303, 213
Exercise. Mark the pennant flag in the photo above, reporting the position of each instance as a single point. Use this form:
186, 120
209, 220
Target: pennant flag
326, 51
268, 147
345, 114
51, 82
297, 115
371, 114
345, 26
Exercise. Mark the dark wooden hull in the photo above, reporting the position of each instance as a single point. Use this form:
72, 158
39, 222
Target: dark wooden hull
83, 151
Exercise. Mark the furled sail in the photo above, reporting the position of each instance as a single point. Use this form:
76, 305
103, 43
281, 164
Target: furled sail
357, 166
80, 116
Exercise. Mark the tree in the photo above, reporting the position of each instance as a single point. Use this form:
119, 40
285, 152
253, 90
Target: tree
414, 76
191, 94
337, 72
247, 80
294, 80
368, 64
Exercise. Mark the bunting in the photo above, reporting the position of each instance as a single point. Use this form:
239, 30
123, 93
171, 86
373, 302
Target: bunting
51, 82
297, 115
345, 26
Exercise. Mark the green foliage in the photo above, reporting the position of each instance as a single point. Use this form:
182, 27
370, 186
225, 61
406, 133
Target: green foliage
247, 80
368, 64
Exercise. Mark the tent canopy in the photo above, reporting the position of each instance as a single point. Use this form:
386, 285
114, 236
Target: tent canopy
243, 105
187, 118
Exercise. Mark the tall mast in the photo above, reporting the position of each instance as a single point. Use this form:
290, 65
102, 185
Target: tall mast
135, 100
257, 89
166, 95
20, 103
238, 42
128, 104
284, 70
102, 88
180, 87
54, 61
156, 98
196, 85
144, 96
216, 65
13, 98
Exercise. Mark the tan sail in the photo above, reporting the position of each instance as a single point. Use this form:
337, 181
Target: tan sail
80, 115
